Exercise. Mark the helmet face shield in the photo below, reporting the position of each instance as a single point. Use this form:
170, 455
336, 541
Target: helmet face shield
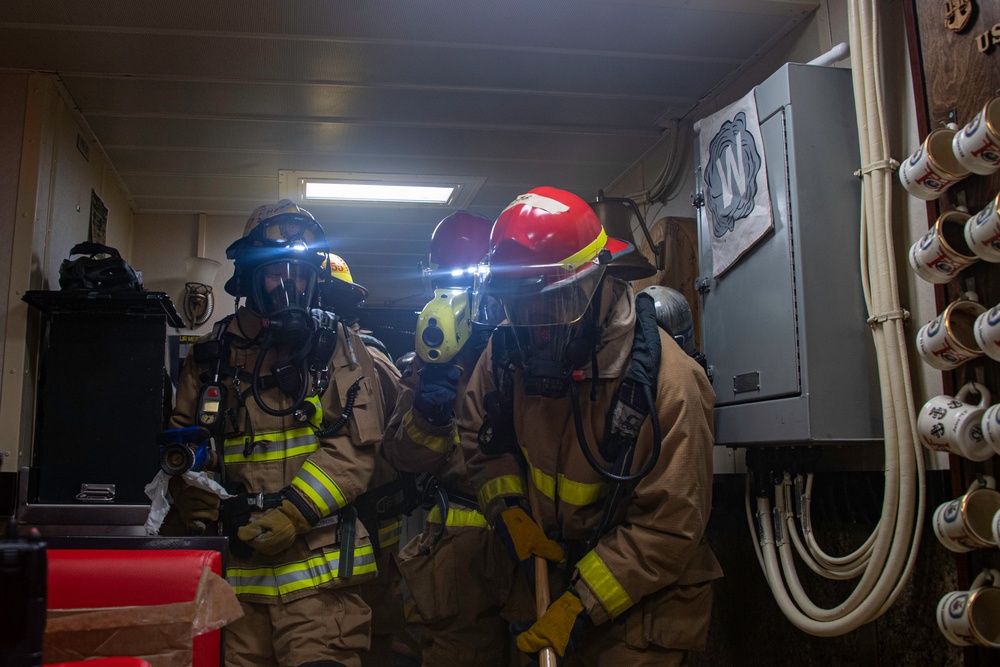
541, 296
283, 284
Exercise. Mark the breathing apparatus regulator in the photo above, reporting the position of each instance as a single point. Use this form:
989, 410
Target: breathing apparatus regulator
549, 262
277, 269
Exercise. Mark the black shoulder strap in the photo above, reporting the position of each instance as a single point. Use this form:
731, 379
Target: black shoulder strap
216, 348
630, 409
371, 341
496, 435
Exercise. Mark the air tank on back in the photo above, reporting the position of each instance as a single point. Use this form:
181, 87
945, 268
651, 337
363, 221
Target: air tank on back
673, 314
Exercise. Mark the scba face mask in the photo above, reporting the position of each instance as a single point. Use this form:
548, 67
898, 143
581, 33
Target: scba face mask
551, 314
549, 355
282, 292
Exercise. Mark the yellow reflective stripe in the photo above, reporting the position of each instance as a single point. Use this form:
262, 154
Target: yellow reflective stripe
319, 488
587, 254
544, 483
459, 518
569, 491
388, 534
580, 493
607, 589
505, 485
291, 577
441, 444
272, 446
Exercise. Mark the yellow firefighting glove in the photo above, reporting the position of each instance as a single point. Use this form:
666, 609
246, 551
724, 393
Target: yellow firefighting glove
275, 530
194, 506
560, 627
522, 538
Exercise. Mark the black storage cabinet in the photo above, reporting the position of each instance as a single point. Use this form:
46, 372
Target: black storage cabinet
101, 396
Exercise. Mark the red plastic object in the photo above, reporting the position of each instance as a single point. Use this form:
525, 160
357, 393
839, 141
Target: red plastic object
103, 662
84, 578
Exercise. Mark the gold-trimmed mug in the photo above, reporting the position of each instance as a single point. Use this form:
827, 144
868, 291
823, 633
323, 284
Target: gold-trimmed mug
982, 232
948, 341
966, 523
943, 252
972, 617
954, 424
932, 168
977, 145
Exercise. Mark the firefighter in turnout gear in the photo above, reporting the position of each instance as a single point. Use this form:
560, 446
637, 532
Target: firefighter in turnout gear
379, 508
583, 402
456, 571
292, 399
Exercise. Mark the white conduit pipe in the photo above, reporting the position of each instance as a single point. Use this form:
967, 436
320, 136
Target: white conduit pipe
862, 554
890, 552
852, 565
838, 52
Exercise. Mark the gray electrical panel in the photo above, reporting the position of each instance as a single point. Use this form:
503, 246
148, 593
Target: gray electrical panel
785, 328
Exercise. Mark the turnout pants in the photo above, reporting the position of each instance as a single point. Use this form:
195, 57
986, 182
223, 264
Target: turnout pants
331, 626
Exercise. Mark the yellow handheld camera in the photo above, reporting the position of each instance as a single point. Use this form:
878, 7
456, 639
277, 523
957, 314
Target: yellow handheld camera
443, 326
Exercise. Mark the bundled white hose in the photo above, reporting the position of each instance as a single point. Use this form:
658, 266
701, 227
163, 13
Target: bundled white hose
885, 561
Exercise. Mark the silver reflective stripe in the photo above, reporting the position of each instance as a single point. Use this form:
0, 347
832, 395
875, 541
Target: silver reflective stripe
319, 488
272, 446
284, 579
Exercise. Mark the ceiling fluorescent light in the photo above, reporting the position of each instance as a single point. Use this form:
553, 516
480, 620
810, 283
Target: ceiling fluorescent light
360, 189
314, 189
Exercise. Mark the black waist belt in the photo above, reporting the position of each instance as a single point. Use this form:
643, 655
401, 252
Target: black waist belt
264, 501
235, 513
463, 499
381, 502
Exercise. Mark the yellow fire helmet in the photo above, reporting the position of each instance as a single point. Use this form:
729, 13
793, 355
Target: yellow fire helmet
339, 292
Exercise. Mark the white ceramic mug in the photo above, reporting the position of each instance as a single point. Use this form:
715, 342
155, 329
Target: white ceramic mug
982, 232
953, 424
948, 341
943, 252
966, 523
972, 617
933, 168
991, 427
987, 332
977, 145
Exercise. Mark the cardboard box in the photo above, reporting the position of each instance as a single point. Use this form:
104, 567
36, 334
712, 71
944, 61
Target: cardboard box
160, 634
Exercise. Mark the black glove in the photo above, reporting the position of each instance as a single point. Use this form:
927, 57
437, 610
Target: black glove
436, 393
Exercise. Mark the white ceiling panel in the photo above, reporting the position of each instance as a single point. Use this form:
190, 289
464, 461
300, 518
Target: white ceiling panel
200, 104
